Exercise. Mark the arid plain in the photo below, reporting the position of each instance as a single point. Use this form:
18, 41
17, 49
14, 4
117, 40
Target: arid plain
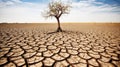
80, 45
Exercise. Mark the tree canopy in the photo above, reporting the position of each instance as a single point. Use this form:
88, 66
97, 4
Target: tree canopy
56, 9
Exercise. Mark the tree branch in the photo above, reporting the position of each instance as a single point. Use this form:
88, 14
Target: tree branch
60, 14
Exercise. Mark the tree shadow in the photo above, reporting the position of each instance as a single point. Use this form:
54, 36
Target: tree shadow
63, 31
56, 32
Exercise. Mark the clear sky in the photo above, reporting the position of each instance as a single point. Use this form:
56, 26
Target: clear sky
82, 11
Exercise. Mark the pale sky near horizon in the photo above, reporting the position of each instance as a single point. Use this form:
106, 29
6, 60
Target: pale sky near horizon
20, 11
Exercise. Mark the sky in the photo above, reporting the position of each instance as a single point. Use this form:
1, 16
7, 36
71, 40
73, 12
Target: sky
30, 11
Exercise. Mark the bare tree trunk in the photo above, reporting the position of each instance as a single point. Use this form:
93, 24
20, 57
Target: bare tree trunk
59, 28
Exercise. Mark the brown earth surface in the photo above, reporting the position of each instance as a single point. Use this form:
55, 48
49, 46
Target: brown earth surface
81, 45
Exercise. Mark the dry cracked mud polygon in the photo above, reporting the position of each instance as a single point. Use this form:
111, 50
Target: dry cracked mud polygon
33, 48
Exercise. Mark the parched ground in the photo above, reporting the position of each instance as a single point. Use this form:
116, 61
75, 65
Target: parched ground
82, 45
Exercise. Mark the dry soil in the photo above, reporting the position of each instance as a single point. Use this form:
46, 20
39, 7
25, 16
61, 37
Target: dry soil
81, 45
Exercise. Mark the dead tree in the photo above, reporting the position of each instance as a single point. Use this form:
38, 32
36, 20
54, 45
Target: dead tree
57, 9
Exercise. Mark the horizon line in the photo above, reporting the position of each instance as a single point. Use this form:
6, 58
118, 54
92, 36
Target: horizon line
60, 22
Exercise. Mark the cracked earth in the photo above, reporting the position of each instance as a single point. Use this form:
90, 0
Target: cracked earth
33, 47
